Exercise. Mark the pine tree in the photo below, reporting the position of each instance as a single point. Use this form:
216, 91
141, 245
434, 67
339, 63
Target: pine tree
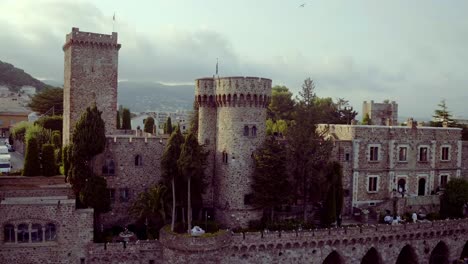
169, 169
270, 179
366, 120
191, 164
126, 119
49, 167
149, 125
169, 126
32, 165
442, 115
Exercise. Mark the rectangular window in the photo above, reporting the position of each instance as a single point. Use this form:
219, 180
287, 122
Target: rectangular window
445, 156
112, 195
423, 154
374, 154
402, 154
124, 195
443, 181
372, 184
347, 156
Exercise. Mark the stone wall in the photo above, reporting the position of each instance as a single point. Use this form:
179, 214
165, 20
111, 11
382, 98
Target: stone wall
129, 177
90, 74
464, 159
129, 253
381, 113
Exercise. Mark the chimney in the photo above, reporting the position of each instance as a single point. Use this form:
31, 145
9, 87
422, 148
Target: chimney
411, 123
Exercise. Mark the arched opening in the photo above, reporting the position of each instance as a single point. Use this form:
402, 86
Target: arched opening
246, 131
50, 232
401, 185
23, 233
254, 131
36, 233
440, 254
9, 233
371, 257
407, 256
422, 187
464, 253
333, 258
138, 160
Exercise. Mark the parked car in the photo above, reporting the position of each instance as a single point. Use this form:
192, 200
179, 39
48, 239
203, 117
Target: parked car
10, 148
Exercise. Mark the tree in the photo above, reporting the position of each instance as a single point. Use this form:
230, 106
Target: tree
149, 125
276, 128
51, 122
455, 197
126, 119
49, 167
150, 206
50, 99
168, 126
366, 120
308, 151
194, 119
334, 199
191, 163
95, 195
442, 115
270, 182
118, 120
281, 105
32, 166
66, 152
56, 139
169, 169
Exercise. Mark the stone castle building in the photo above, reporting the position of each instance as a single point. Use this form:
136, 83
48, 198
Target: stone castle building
385, 113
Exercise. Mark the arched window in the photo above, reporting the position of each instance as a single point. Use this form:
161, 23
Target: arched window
23, 233
9, 233
246, 131
225, 157
254, 131
36, 233
138, 160
109, 167
50, 232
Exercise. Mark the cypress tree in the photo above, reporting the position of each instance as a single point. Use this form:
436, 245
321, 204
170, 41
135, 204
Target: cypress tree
118, 120
149, 125
66, 159
126, 123
334, 199
169, 126
366, 120
169, 169
89, 138
56, 139
49, 167
32, 165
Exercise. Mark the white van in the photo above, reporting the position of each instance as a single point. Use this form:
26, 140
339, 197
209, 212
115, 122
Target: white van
5, 164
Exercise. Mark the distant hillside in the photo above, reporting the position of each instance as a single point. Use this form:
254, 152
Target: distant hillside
14, 78
143, 96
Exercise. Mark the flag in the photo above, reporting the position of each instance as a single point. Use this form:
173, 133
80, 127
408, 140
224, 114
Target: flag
216, 66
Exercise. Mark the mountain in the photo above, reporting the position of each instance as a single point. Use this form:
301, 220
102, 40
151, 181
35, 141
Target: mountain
15, 78
154, 96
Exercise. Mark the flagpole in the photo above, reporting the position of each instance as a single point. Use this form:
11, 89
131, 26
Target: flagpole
113, 23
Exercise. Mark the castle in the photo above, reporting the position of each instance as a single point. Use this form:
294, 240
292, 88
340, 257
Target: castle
40, 223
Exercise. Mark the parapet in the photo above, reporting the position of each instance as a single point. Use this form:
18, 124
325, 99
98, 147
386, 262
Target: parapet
243, 85
77, 37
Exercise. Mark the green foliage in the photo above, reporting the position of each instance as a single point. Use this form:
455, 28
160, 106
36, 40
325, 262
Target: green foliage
270, 184
32, 165
49, 167
454, 198
51, 122
89, 137
276, 128
66, 152
57, 139
58, 156
194, 119
78, 174
281, 106
442, 115
149, 125
334, 199
151, 206
169, 169
168, 126
118, 120
126, 119
46, 100
42, 135
330, 112
19, 130
95, 194
366, 120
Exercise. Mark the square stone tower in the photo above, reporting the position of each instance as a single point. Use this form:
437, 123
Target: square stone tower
382, 114
91, 65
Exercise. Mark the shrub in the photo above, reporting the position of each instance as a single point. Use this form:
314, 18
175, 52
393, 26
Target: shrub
19, 130
49, 167
43, 136
31, 159
56, 139
58, 157
66, 159
50, 122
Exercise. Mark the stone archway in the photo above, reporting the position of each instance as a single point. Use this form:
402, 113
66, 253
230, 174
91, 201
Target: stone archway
440, 254
422, 187
371, 257
407, 256
464, 253
333, 258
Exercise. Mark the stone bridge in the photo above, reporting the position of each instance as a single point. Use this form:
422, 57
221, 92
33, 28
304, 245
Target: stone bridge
434, 242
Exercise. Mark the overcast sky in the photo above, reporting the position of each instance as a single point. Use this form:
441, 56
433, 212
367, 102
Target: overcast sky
414, 52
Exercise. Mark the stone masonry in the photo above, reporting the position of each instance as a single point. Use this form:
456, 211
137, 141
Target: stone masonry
381, 113
232, 115
90, 74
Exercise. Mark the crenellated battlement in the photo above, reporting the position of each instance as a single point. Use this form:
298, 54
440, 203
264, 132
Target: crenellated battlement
94, 40
137, 139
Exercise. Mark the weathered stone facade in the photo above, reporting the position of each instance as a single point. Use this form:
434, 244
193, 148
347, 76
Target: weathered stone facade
90, 76
382, 162
385, 113
232, 115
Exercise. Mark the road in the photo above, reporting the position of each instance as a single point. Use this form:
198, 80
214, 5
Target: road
17, 161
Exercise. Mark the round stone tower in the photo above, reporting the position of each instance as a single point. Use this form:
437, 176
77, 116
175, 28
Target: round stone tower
235, 119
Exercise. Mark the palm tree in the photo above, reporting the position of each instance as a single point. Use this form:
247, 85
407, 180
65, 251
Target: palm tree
150, 205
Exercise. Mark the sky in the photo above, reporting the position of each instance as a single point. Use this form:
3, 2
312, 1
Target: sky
413, 52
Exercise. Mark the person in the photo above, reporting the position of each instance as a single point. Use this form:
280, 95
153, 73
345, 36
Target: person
414, 217
388, 219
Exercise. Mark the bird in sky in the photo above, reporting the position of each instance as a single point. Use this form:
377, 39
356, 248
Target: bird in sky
302, 5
